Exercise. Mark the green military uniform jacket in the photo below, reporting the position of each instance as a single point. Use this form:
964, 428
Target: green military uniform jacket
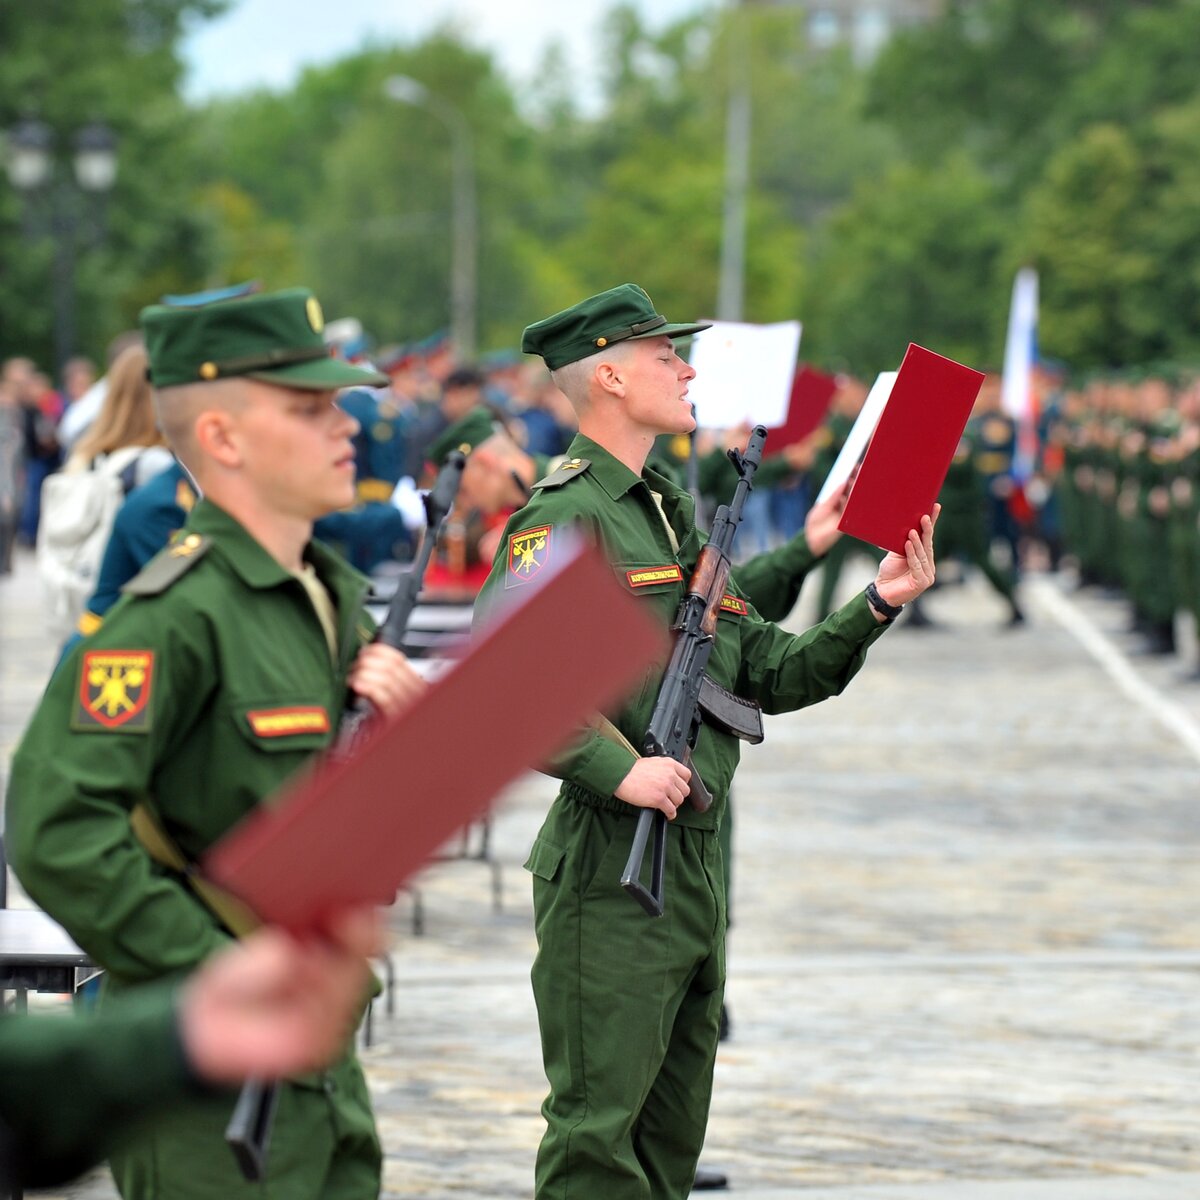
599, 496
208, 685
70, 1086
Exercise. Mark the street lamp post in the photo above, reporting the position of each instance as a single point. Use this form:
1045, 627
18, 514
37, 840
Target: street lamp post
464, 221
52, 205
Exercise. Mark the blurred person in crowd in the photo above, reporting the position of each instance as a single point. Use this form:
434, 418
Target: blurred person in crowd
543, 416
82, 411
993, 433
40, 407
12, 445
127, 420
461, 391
79, 373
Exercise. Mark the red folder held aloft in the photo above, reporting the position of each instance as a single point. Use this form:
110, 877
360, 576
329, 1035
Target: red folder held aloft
911, 450
352, 830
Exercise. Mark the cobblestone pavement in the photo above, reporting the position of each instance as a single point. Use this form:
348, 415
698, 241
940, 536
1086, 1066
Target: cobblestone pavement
964, 960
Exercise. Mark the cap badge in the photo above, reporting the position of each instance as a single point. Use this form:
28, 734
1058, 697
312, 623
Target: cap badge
316, 318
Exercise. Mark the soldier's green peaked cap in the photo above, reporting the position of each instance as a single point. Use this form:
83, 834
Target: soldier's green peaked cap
273, 336
621, 314
465, 434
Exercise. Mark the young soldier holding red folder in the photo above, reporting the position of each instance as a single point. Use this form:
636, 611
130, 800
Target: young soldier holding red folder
628, 1004
223, 670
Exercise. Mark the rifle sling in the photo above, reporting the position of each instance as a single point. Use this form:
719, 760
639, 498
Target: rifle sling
157, 843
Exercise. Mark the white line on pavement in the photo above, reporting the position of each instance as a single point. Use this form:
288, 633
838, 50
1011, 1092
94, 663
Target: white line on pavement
1110, 658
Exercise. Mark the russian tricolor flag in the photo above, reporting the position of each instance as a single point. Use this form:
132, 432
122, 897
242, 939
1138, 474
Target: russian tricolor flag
1020, 354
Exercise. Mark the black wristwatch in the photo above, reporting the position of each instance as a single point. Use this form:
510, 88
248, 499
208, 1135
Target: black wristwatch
889, 612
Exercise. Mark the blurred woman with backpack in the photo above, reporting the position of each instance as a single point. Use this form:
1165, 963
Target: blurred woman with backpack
122, 449
126, 423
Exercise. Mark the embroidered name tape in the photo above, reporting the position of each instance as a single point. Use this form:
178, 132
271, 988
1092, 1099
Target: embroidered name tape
287, 722
645, 576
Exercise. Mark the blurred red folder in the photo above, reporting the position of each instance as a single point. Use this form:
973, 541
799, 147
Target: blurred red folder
910, 452
354, 829
812, 392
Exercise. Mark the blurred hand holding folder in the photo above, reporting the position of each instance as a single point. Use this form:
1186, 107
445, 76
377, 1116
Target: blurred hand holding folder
352, 831
911, 450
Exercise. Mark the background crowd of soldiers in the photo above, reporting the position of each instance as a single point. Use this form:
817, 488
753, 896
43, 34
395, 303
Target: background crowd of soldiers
1109, 481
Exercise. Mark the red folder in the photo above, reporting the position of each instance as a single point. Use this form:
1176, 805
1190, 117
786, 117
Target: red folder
911, 450
811, 395
352, 830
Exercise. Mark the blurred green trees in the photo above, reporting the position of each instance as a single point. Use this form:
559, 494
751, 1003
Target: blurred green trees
889, 202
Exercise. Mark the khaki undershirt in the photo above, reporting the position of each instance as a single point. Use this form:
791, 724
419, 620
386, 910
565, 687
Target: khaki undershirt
662, 513
322, 604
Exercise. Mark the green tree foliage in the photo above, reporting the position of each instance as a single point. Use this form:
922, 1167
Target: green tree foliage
1083, 115
67, 63
885, 205
911, 257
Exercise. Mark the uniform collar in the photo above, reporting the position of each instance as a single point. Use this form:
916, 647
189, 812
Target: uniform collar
617, 479
609, 472
254, 565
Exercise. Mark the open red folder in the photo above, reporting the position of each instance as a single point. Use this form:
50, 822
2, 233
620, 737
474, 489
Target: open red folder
910, 452
811, 394
352, 830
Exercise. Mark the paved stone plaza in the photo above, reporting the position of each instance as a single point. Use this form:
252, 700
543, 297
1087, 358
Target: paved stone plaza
965, 960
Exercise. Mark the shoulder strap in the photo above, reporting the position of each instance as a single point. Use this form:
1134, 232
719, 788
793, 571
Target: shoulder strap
568, 469
168, 565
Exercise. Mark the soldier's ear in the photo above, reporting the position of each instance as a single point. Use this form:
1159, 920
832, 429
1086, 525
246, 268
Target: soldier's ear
215, 437
611, 377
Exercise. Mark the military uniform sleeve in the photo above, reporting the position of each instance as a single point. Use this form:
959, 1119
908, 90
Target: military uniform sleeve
784, 671
69, 1085
113, 712
771, 581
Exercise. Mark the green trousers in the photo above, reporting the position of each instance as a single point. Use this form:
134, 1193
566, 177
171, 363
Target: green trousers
323, 1147
628, 1007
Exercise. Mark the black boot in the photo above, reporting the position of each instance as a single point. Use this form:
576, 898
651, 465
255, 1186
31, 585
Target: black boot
1160, 638
917, 617
710, 1180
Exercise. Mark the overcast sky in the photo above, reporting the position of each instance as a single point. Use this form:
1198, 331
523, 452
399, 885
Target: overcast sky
266, 42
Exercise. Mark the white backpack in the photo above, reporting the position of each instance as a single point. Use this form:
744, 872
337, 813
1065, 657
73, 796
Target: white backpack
78, 510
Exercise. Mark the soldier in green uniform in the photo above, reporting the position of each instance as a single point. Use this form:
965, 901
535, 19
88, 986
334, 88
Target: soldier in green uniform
629, 1005
269, 1006
964, 534
221, 671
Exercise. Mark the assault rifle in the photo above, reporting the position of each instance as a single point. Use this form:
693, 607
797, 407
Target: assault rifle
687, 695
249, 1130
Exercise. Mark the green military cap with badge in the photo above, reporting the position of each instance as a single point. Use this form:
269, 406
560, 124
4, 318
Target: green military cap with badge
276, 337
621, 314
465, 434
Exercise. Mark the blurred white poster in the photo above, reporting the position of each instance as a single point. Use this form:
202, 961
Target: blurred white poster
743, 373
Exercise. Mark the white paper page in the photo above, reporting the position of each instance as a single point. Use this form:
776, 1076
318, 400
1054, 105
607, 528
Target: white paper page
860, 434
743, 373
